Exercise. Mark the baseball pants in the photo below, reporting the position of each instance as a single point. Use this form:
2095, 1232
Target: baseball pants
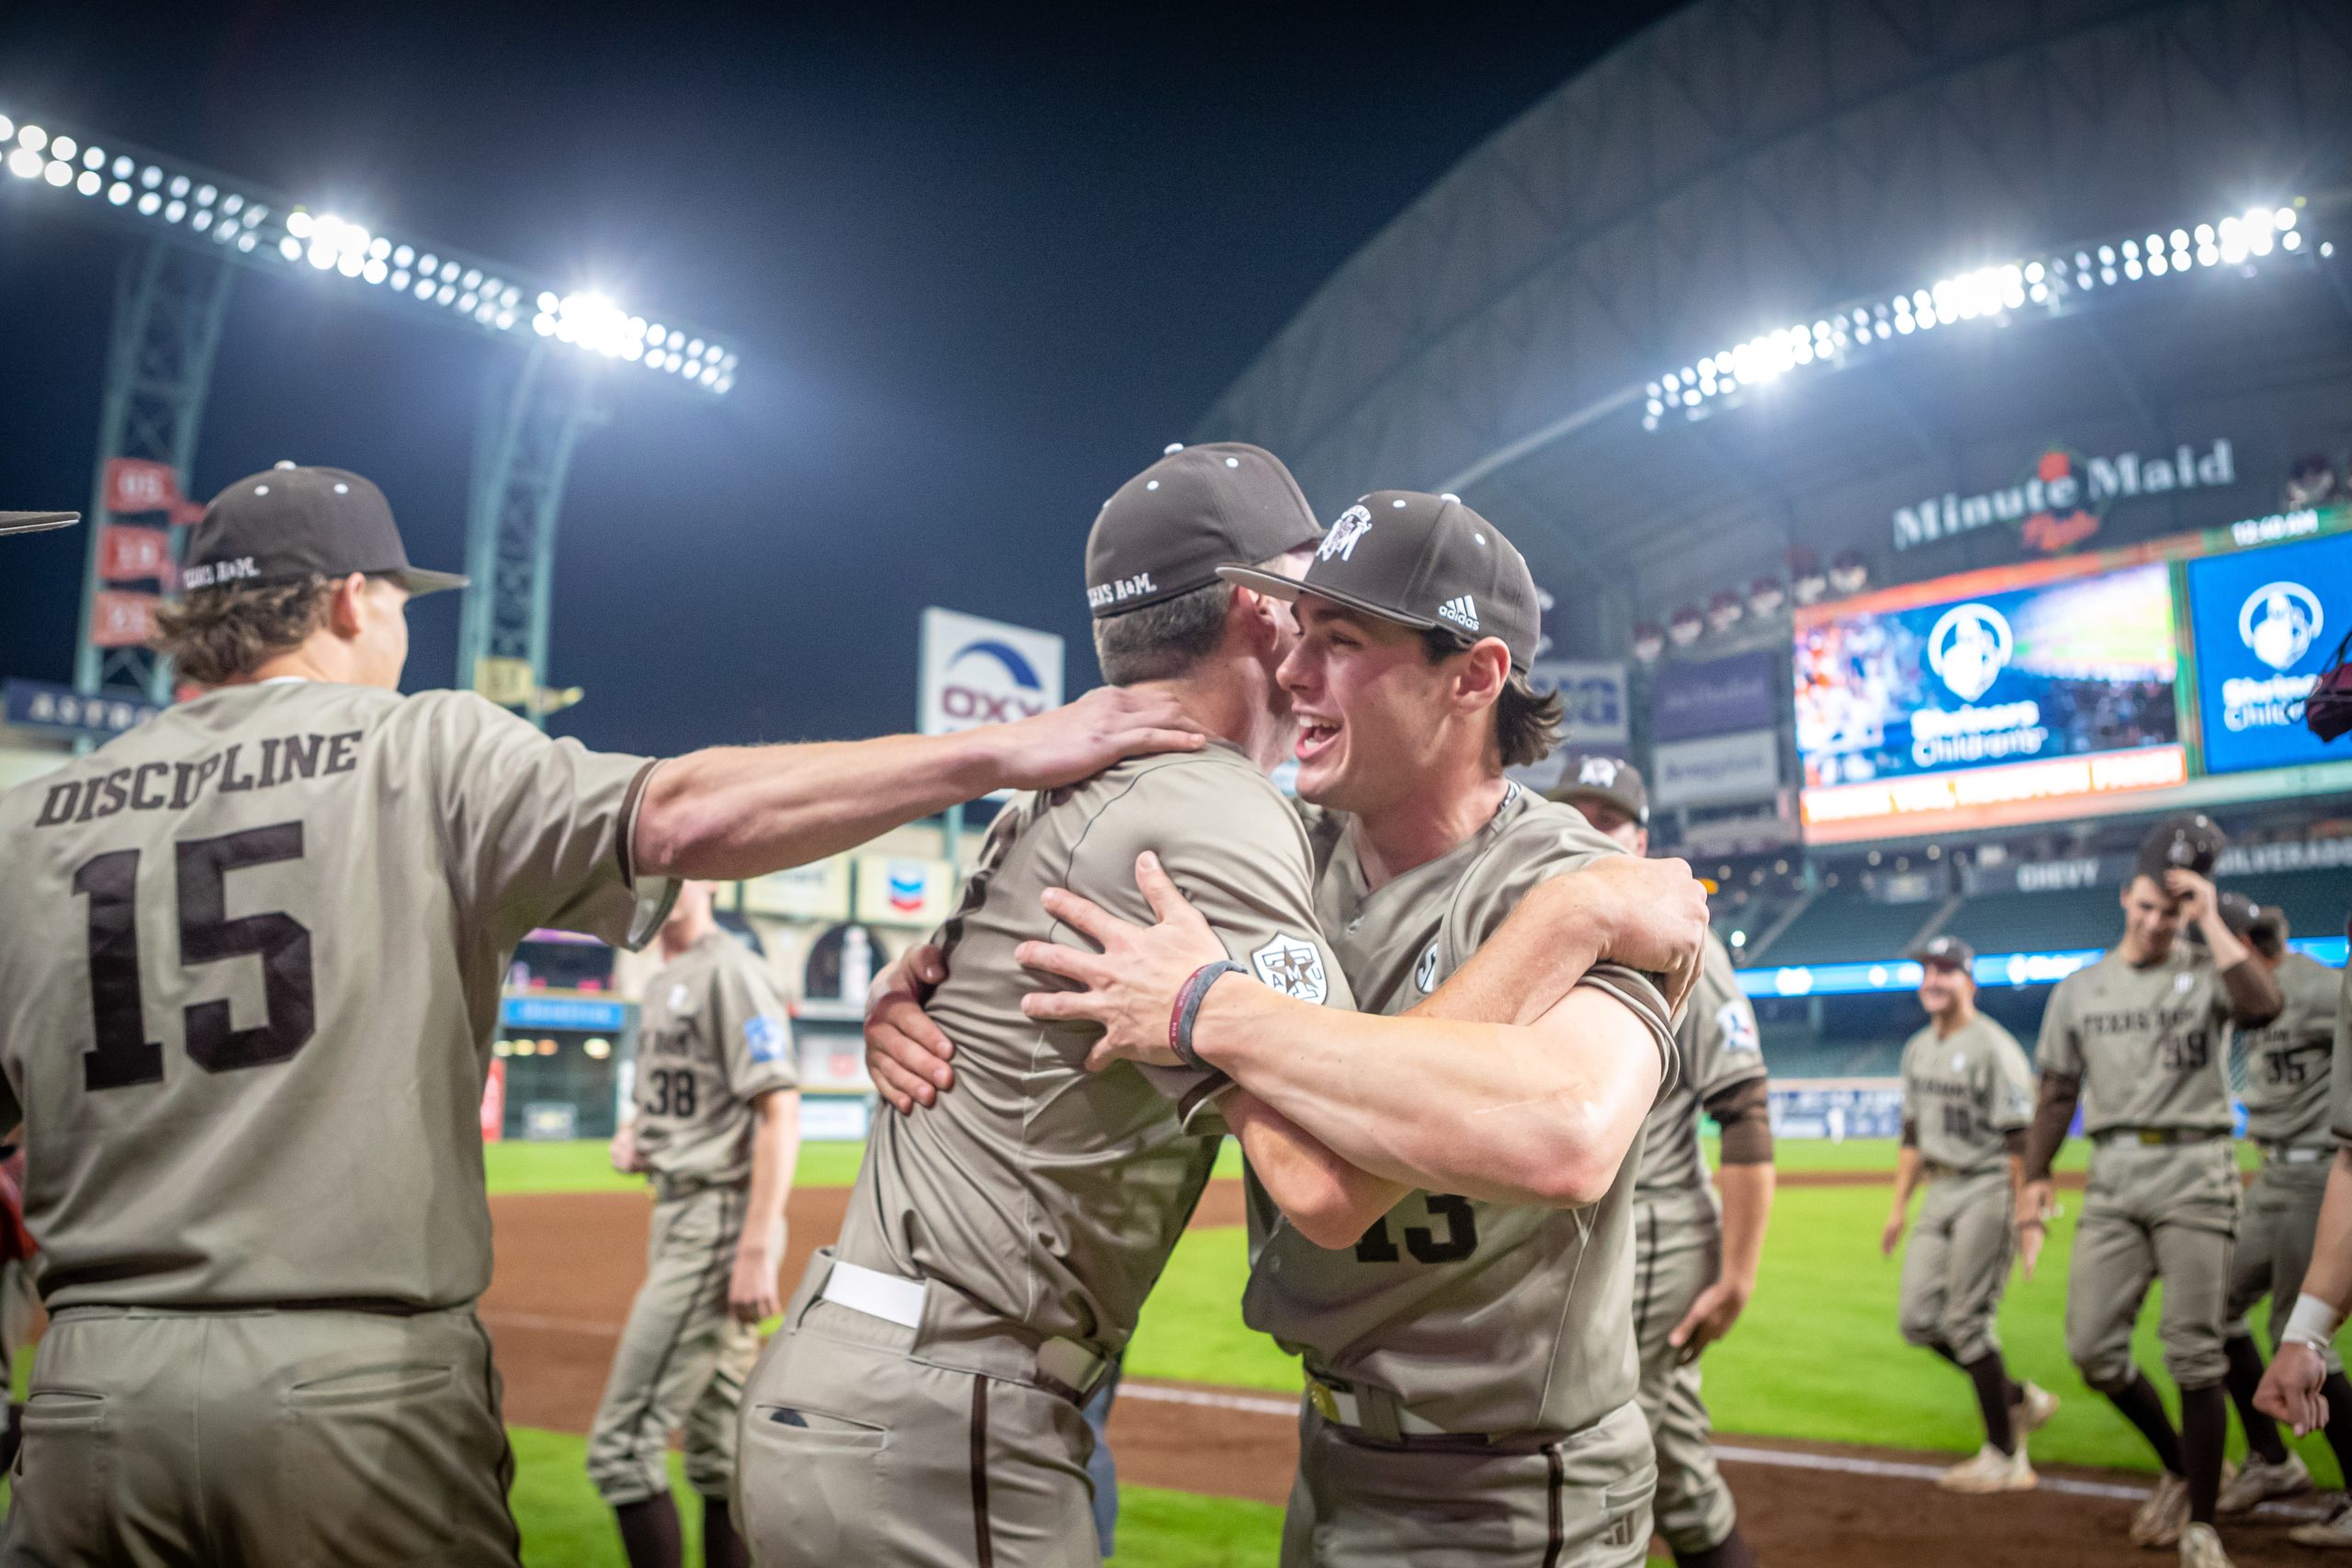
2151, 1210
854, 1452
264, 1439
2274, 1247
682, 1360
1957, 1263
1678, 1242
1578, 1501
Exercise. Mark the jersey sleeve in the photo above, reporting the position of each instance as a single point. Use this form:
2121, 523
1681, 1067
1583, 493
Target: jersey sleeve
1910, 1097
1722, 1046
2010, 1094
2339, 1070
754, 1031
1547, 842
1239, 856
536, 829
2060, 1048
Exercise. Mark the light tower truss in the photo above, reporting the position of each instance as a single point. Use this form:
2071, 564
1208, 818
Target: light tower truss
200, 228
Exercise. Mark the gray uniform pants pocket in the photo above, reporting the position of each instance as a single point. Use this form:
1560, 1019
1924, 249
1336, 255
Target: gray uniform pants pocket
682, 1358
1581, 1501
269, 1440
853, 1452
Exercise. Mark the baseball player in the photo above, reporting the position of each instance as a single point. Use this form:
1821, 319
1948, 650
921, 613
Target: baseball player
922, 1405
716, 1127
1695, 1260
2288, 1067
1471, 1362
1967, 1099
2296, 1389
250, 958
2138, 1037
36, 522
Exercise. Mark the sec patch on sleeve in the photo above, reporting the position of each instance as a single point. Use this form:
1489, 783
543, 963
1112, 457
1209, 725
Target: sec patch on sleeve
764, 1037
1293, 967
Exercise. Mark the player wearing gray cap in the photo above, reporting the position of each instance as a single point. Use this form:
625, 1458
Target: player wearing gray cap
1967, 1099
1001, 1237
250, 959
1471, 1364
2286, 1065
1695, 1258
2138, 1038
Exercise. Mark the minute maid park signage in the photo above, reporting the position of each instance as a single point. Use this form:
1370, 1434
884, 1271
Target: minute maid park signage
2064, 499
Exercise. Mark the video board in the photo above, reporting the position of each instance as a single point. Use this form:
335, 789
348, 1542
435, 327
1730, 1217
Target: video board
2153, 678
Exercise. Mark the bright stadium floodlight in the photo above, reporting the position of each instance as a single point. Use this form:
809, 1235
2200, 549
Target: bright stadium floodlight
2052, 284
275, 233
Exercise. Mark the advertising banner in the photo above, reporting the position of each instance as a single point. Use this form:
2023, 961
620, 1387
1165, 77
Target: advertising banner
1592, 695
1714, 697
42, 705
121, 620
978, 671
892, 891
818, 891
140, 484
127, 554
2265, 623
1720, 769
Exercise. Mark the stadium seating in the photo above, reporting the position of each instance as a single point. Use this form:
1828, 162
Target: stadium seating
2315, 902
2037, 922
1836, 927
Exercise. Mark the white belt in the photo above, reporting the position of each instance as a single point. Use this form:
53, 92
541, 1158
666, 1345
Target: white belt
875, 1293
2300, 1154
1341, 1405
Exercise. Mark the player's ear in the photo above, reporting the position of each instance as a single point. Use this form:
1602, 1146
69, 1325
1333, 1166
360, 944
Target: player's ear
1480, 679
346, 605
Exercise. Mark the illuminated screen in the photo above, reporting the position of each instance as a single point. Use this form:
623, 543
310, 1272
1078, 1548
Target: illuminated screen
2266, 622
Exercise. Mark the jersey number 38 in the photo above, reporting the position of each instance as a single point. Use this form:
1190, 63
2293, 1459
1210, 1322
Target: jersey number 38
121, 1055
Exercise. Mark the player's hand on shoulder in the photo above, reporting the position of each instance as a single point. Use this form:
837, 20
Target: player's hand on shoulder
1082, 739
906, 1053
1130, 976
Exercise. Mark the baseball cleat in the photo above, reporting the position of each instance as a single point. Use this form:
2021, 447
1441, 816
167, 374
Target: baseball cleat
1991, 1470
2201, 1547
2157, 1522
2334, 1530
2033, 1412
2258, 1481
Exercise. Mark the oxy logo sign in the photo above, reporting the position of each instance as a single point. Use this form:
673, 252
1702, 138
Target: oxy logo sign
1968, 648
2280, 621
2264, 621
978, 671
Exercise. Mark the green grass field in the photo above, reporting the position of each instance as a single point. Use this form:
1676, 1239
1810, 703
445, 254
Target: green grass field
1816, 1356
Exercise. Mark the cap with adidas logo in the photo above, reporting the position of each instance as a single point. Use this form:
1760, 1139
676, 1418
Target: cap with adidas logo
1425, 561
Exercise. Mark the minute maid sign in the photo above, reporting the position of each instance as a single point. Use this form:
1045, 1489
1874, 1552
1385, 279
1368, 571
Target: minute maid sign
2064, 499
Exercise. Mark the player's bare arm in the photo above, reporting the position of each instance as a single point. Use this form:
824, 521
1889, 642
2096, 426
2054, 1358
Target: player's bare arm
732, 812
2254, 993
1906, 1182
1536, 1114
752, 1290
2290, 1386
1746, 1190
2054, 1111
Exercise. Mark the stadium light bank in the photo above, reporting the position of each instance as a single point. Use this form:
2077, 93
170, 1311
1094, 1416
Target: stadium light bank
269, 231
2052, 283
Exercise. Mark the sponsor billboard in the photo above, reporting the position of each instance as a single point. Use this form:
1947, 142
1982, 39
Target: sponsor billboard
1716, 770
818, 891
892, 891
1592, 694
2265, 623
1714, 697
42, 705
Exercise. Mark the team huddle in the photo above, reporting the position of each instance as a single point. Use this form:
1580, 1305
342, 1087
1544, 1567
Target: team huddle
1465, 1036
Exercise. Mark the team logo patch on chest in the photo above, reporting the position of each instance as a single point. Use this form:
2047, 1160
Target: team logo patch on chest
1425, 972
1292, 967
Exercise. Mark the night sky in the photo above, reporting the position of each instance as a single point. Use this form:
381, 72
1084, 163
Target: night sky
979, 267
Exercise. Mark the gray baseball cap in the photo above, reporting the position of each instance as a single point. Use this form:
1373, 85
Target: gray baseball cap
1426, 561
1948, 952
34, 522
289, 523
1168, 529
1606, 781
2187, 842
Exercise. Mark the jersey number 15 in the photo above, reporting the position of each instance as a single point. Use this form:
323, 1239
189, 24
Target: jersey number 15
122, 1054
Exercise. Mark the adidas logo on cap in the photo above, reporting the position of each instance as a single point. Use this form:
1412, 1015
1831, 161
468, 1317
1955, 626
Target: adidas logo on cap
1462, 612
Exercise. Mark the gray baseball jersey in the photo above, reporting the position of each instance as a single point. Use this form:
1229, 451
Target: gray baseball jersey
1479, 1317
2287, 1060
711, 1039
1050, 1195
250, 958
1966, 1092
1718, 1046
2145, 1042
2339, 1071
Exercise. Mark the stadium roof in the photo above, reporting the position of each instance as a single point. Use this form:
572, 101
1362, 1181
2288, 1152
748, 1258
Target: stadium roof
1746, 164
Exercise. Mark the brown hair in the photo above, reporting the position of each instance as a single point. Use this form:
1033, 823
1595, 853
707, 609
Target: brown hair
222, 633
1163, 640
1527, 726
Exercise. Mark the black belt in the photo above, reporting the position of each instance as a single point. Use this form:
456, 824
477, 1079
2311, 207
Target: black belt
2154, 1136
